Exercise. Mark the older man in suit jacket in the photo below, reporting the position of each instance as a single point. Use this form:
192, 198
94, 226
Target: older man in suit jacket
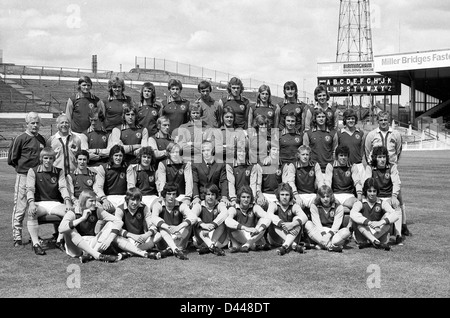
209, 171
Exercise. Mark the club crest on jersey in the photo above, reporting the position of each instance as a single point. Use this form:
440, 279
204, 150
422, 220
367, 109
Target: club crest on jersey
377, 208
332, 213
329, 114
357, 136
297, 139
154, 113
41, 146
247, 172
53, 180
270, 113
183, 107
181, 171
249, 213
311, 173
89, 182
138, 135
151, 178
125, 105
387, 175
92, 219
104, 138
327, 138
278, 172
347, 173
242, 107
122, 175
91, 106
298, 110
139, 216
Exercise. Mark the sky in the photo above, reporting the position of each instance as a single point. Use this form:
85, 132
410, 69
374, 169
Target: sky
268, 40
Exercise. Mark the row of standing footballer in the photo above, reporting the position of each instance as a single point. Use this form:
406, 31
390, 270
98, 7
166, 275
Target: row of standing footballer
127, 198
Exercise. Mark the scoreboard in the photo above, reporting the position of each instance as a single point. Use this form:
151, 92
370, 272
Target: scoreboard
348, 85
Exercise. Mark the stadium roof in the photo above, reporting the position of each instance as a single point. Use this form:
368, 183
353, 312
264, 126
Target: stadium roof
427, 71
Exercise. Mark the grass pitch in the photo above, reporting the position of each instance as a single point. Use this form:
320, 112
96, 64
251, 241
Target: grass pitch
419, 269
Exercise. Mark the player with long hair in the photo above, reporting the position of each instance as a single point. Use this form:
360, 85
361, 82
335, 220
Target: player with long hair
148, 108
292, 103
288, 220
174, 220
247, 223
325, 227
210, 232
373, 218
138, 235
78, 228
115, 102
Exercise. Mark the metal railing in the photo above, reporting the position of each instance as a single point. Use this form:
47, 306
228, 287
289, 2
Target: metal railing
53, 71
23, 106
3, 154
162, 71
416, 138
173, 68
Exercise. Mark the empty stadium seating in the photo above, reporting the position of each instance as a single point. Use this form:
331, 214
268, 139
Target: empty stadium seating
47, 89
11, 127
9, 94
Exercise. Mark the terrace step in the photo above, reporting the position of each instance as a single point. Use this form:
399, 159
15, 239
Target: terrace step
22, 90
